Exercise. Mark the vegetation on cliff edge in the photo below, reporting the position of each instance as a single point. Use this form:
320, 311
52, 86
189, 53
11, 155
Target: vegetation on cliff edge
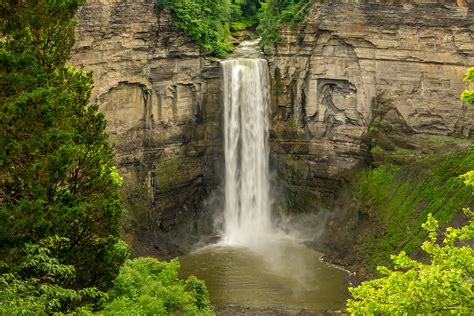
210, 22
274, 14
205, 21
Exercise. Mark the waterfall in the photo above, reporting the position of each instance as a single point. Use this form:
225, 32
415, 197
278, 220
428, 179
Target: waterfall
246, 122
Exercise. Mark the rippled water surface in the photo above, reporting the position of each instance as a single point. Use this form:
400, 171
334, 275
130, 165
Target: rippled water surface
284, 274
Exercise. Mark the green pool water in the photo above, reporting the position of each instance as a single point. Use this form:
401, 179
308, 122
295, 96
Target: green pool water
283, 274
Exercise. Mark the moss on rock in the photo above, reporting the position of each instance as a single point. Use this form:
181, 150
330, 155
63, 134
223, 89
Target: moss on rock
398, 199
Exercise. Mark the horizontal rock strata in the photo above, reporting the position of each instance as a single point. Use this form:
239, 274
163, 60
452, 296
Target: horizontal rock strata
161, 98
355, 66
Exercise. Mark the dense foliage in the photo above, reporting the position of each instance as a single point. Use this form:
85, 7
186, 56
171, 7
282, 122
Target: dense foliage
468, 95
35, 288
444, 284
205, 21
60, 210
244, 14
146, 286
209, 22
276, 13
56, 175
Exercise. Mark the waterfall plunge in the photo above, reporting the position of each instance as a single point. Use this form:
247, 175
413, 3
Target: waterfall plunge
247, 183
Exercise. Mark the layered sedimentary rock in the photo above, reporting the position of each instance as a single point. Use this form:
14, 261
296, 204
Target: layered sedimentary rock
364, 81
160, 95
358, 82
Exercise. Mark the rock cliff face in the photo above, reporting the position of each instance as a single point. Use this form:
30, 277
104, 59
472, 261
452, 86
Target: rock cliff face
162, 101
367, 81
359, 82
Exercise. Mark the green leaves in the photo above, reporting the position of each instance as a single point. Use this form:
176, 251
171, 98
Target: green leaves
276, 13
38, 286
208, 22
468, 178
205, 21
445, 284
146, 286
56, 174
468, 95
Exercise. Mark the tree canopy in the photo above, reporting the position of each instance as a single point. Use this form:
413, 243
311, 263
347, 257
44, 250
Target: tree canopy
146, 286
444, 284
210, 22
57, 179
60, 209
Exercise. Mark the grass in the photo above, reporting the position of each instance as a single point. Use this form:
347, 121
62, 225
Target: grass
399, 199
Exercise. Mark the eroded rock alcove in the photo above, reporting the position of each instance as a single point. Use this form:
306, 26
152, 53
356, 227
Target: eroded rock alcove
348, 64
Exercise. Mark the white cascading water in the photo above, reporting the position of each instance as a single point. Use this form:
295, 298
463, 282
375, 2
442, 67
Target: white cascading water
247, 183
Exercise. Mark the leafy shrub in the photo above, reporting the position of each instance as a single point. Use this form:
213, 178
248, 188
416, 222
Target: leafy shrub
468, 95
146, 286
443, 285
38, 286
276, 13
205, 21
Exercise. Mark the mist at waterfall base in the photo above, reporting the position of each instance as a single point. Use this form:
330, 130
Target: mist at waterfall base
256, 263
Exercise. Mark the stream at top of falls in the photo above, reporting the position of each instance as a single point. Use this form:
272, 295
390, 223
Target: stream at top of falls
255, 265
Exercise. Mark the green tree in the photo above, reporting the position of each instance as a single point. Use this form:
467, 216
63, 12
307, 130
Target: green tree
205, 21
56, 174
442, 285
269, 23
276, 13
146, 286
34, 288
468, 95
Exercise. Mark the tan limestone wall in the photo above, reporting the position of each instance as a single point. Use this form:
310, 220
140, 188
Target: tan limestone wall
329, 74
161, 98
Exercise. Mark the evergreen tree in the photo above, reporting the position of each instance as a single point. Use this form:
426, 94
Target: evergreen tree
56, 174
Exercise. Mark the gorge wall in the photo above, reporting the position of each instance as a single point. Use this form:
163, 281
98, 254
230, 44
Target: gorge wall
357, 83
161, 98
363, 82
